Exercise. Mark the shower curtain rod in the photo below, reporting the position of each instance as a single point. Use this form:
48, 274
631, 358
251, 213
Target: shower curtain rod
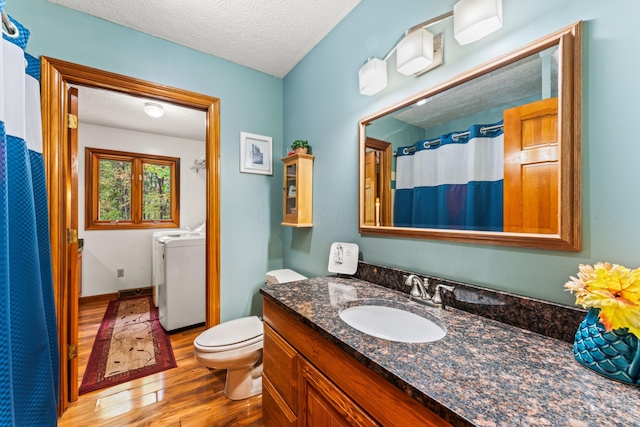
455, 137
7, 23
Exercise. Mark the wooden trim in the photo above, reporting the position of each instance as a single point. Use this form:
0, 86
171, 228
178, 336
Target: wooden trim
72, 248
569, 237
56, 75
137, 160
98, 298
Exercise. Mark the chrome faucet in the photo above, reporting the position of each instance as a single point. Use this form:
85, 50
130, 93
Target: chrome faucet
419, 291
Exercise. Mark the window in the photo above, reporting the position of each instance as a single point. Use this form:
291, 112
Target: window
129, 190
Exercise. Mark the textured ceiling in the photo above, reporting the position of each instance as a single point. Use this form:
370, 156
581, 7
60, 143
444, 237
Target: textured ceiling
114, 109
271, 36
505, 86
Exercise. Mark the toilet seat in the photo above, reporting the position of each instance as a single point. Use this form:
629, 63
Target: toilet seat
230, 335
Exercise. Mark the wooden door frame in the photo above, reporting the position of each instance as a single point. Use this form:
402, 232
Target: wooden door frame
384, 148
56, 76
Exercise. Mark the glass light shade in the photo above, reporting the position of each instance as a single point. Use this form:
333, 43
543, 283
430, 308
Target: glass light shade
373, 76
154, 110
415, 52
475, 19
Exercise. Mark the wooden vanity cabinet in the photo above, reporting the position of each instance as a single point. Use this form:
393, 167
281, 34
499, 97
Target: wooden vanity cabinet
298, 190
331, 388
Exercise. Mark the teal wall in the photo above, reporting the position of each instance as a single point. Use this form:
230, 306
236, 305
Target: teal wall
319, 101
250, 101
322, 104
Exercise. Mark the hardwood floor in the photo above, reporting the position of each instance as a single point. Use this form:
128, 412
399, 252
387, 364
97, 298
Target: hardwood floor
186, 396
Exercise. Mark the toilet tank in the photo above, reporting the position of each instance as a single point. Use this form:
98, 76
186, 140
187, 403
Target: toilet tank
284, 275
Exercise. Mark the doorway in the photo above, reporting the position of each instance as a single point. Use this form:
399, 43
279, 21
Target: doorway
378, 195
61, 171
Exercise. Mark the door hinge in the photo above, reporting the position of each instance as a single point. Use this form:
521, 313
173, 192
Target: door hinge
72, 236
72, 351
72, 121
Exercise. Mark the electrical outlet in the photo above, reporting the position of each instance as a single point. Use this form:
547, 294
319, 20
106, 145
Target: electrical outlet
121, 272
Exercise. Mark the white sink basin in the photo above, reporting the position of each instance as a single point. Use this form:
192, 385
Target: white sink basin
393, 324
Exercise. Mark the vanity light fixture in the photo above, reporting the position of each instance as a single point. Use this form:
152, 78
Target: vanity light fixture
415, 52
419, 51
373, 76
474, 19
154, 110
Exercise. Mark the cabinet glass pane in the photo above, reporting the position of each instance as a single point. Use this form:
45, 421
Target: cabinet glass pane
290, 192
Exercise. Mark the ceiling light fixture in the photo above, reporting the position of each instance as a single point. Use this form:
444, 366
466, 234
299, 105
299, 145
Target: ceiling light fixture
154, 110
419, 51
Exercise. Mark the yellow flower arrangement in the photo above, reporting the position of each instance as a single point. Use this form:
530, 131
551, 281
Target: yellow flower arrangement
614, 289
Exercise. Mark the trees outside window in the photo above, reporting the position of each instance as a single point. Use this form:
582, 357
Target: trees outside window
130, 190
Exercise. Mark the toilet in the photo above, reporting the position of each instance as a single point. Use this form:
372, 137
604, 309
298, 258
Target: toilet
236, 345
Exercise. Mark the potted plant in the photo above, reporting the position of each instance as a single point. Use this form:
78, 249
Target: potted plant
300, 146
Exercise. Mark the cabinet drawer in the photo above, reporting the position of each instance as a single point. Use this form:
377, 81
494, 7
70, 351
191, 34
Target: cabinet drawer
275, 412
280, 366
323, 404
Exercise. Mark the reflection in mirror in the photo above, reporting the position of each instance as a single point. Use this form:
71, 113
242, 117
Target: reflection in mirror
377, 182
490, 156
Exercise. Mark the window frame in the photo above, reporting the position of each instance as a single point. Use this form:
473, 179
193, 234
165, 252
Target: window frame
92, 185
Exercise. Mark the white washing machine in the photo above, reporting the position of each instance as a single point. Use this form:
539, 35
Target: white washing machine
181, 287
156, 260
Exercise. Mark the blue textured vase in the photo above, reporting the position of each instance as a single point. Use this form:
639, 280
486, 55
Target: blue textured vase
614, 354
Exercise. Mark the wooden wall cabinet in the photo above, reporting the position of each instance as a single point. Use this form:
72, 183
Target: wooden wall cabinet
309, 382
298, 190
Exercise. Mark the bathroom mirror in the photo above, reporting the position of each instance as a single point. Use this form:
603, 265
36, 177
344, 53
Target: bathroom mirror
490, 156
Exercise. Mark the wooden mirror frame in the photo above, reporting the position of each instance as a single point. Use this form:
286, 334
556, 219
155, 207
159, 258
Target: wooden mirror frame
569, 237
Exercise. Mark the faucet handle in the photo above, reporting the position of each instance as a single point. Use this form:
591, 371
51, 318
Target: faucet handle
437, 296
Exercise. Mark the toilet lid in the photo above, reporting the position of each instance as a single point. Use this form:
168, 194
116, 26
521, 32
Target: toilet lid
244, 331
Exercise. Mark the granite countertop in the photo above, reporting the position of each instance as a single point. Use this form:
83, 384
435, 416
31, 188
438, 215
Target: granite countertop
482, 373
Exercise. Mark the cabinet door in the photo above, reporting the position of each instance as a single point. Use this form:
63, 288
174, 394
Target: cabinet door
290, 193
275, 411
280, 366
279, 381
322, 404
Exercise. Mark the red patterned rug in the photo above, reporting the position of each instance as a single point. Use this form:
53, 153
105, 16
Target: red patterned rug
130, 344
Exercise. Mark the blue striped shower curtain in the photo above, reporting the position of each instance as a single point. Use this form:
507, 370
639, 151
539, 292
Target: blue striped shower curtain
28, 341
456, 183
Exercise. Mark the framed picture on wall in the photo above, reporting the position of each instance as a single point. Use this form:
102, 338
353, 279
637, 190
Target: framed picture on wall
256, 153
